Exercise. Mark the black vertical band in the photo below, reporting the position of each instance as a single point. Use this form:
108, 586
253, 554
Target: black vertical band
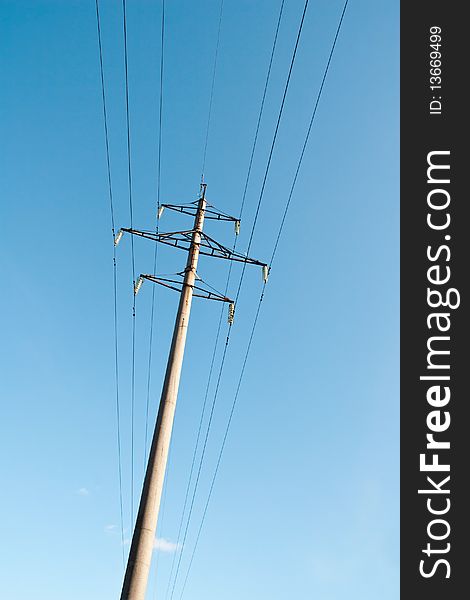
435, 357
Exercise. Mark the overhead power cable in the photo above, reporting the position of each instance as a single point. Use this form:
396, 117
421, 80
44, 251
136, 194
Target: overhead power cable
273, 143
155, 256
268, 75
255, 321
222, 312
221, 367
224, 440
113, 231
129, 181
211, 96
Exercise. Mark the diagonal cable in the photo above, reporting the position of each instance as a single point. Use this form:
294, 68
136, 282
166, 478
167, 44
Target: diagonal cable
211, 367
221, 367
273, 143
111, 206
242, 372
129, 181
211, 97
155, 256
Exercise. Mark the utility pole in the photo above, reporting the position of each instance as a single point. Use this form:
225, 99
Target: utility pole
196, 243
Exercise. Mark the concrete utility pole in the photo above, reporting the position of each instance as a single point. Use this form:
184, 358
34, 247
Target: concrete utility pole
195, 242
140, 557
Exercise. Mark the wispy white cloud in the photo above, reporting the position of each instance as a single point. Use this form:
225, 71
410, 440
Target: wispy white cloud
83, 491
164, 545
110, 528
160, 544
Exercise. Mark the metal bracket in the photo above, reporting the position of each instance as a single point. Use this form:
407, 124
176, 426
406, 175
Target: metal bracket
191, 209
175, 284
207, 246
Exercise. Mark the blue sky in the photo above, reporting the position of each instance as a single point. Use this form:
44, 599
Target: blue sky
306, 502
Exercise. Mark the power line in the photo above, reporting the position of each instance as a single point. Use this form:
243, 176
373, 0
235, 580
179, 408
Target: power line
212, 90
261, 107
132, 410
128, 129
214, 70
242, 372
129, 180
105, 119
273, 143
224, 440
249, 246
159, 154
211, 367
199, 471
193, 462
111, 206
312, 119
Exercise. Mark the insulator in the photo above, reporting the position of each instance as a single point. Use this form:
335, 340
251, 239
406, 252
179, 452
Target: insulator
138, 285
118, 237
231, 312
237, 227
265, 273
161, 208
